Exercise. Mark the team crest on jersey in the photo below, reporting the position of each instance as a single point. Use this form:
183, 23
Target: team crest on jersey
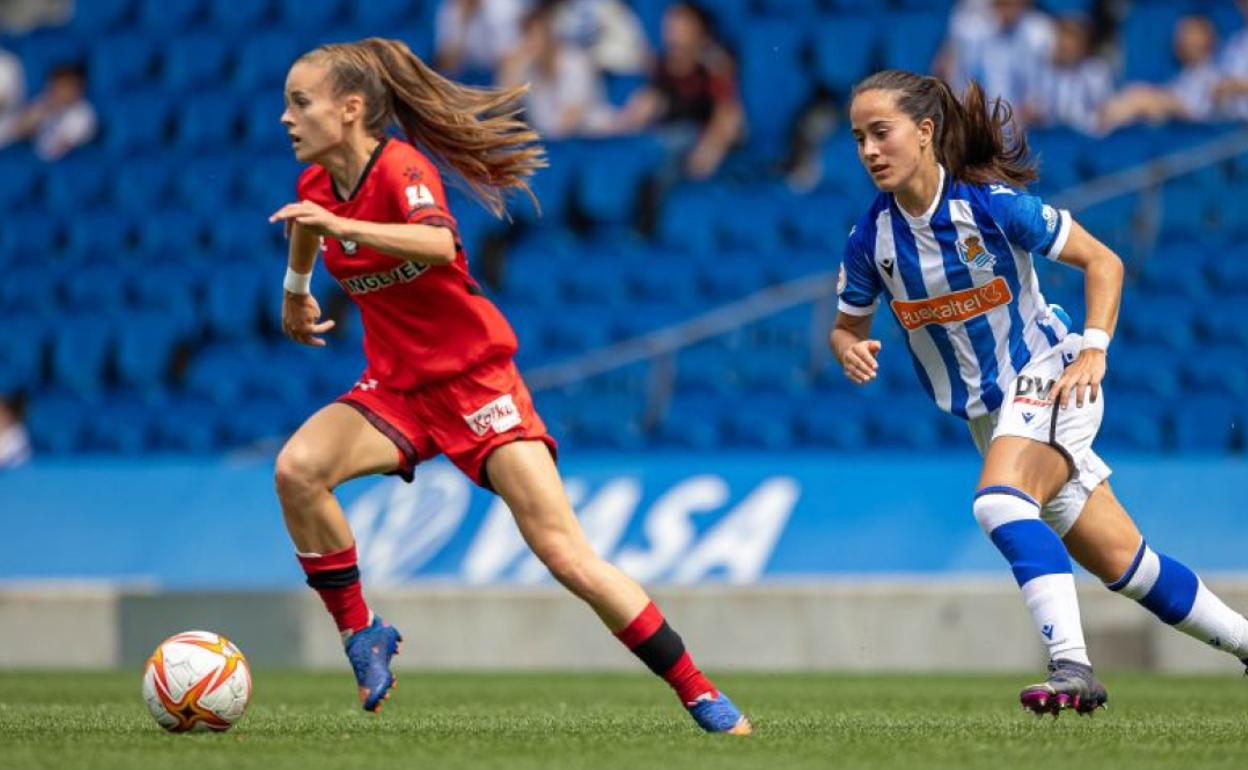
973, 254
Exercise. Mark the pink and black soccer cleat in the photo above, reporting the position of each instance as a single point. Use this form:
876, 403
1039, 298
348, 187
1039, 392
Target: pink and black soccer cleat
1070, 685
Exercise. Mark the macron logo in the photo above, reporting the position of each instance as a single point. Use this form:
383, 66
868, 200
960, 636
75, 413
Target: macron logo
500, 416
1047, 631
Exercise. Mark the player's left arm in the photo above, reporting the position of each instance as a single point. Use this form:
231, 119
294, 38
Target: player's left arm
424, 244
1103, 274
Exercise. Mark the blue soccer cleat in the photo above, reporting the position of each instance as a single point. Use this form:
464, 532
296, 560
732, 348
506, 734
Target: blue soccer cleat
719, 714
1070, 685
369, 651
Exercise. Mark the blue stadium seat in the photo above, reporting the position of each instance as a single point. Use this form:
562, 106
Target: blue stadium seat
166, 234
270, 184
98, 17
20, 173
232, 300
750, 223
905, 424
382, 14
100, 230
607, 423
136, 121
611, 176
577, 330
820, 220
1059, 151
1217, 370
732, 277
186, 424
121, 424
1144, 370
1126, 147
218, 373
78, 182
262, 62
685, 219
1185, 205
644, 317
80, 348
656, 275
145, 344
255, 420
208, 184
595, 281
139, 184
21, 355
705, 368
171, 289
30, 288
42, 50
771, 372
206, 122
1133, 422
57, 421
843, 46
165, 18
119, 63
1208, 424
29, 236
240, 17
1222, 323
788, 330
690, 422
832, 420
1146, 35
95, 287
1166, 321
309, 15
762, 422
843, 172
195, 62
263, 131
773, 85
912, 40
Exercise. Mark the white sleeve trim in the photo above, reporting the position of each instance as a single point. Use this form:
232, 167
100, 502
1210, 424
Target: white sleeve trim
849, 309
1063, 232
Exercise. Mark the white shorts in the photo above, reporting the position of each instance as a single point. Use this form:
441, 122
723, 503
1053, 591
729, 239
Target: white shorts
1071, 430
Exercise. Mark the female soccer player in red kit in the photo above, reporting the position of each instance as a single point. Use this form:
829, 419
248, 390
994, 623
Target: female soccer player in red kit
439, 376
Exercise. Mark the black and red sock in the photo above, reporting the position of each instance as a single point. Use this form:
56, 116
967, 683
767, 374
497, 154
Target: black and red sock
651, 639
336, 577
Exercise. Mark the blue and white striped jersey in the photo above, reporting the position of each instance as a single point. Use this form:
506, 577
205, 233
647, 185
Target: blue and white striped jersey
961, 282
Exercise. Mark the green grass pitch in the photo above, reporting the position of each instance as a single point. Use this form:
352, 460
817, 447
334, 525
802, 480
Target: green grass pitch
308, 721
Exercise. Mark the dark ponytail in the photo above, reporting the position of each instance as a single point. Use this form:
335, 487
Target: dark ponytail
975, 144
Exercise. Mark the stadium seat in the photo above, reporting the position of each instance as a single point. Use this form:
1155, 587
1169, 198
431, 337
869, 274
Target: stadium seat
773, 86
165, 234
98, 17
136, 121
80, 348
308, 15
257, 420
94, 287
140, 183
240, 17
913, 38
685, 219
78, 181
1143, 370
1133, 422
1147, 30
186, 424
167, 18
1208, 424
765, 425
731, 278
704, 369
1166, 321
610, 177
1223, 323
827, 420
607, 423
690, 422
843, 46
262, 62
232, 300
196, 62
771, 372
30, 289
382, 14
145, 346
56, 421
905, 424
270, 184
120, 62
20, 173
100, 230
206, 122
1217, 370
121, 424
21, 355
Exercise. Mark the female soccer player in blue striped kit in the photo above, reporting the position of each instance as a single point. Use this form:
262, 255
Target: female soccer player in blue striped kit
950, 241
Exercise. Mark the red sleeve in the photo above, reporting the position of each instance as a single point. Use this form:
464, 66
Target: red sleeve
420, 196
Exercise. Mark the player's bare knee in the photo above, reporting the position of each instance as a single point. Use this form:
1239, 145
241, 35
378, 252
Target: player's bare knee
568, 565
300, 473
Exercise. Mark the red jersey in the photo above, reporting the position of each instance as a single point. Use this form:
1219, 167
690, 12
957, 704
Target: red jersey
422, 323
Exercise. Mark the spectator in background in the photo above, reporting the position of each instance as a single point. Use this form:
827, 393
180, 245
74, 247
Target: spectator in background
999, 44
1071, 88
691, 98
607, 30
1231, 92
1189, 96
473, 37
12, 83
14, 440
565, 96
59, 120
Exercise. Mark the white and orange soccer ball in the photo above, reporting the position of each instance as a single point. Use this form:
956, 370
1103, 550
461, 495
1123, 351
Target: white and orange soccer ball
197, 680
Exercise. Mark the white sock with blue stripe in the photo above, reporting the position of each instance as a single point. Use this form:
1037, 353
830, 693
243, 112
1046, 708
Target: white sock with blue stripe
1174, 593
1011, 518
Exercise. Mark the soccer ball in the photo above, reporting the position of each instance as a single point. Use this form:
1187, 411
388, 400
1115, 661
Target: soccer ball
196, 680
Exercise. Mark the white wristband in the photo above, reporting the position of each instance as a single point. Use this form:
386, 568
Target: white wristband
1096, 339
297, 283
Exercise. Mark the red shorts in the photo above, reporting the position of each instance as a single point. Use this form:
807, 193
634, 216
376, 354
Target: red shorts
465, 417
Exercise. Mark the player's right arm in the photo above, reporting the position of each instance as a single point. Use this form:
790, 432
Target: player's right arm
858, 290
301, 313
